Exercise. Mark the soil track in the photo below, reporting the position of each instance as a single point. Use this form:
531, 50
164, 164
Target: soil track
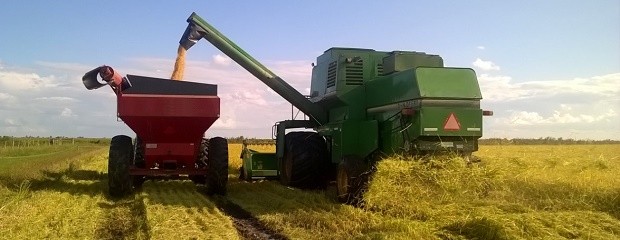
247, 225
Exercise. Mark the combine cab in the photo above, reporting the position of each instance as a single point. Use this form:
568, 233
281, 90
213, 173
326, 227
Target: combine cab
169, 118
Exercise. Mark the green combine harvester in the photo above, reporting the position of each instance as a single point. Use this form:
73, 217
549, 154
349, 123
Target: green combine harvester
364, 104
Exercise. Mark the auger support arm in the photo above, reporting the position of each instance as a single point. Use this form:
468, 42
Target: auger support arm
199, 28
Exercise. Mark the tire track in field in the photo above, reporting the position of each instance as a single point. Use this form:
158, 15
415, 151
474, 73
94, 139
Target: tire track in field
124, 219
175, 209
179, 209
247, 225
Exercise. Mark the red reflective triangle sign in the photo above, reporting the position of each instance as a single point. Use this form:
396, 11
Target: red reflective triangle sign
452, 124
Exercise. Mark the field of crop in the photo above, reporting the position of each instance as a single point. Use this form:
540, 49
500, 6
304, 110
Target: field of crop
531, 192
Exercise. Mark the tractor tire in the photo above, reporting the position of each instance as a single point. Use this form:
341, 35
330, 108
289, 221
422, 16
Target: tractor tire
201, 162
351, 180
305, 155
217, 166
119, 161
138, 161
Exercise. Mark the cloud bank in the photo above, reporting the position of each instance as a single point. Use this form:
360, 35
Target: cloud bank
51, 100
580, 108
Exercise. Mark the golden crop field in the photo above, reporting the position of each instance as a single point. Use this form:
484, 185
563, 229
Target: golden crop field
516, 192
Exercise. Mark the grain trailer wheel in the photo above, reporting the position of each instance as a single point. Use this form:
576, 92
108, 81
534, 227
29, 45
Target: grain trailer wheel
304, 155
351, 179
217, 166
119, 161
201, 162
138, 161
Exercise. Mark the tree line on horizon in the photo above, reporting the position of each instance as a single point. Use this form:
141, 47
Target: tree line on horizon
240, 139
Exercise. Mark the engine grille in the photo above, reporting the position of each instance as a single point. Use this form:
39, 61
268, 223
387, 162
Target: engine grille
354, 73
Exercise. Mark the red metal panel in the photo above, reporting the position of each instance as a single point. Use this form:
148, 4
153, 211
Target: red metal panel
168, 118
184, 154
165, 172
171, 127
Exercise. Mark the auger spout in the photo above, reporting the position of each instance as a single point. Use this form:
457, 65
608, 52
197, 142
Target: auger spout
199, 28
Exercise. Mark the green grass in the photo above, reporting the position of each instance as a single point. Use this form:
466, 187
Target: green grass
18, 164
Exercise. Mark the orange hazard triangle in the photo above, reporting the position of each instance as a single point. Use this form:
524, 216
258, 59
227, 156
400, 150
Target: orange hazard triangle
452, 124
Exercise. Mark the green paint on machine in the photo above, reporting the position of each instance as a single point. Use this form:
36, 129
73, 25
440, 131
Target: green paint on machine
363, 103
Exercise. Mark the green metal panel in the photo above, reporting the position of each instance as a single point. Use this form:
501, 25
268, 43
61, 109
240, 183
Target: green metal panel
424, 131
401, 60
460, 83
433, 119
393, 88
340, 70
352, 138
259, 164
433, 94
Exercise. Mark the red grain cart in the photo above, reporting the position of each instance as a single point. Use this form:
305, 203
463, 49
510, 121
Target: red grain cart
169, 118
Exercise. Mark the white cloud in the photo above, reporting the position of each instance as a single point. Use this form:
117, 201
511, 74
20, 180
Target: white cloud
480, 47
581, 108
222, 60
25, 81
6, 97
501, 88
67, 112
58, 99
12, 122
485, 65
560, 116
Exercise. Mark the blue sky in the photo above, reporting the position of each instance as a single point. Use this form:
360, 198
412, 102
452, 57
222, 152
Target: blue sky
547, 68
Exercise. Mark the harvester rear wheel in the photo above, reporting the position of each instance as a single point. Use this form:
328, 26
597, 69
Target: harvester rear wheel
304, 155
217, 166
350, 179
119, 160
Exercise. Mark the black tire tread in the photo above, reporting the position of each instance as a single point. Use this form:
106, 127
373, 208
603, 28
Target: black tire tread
202, 158
217, 169
119, 161
358, 172
138, 161
307, 150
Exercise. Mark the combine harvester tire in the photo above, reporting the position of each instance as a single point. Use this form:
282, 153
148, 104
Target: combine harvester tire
351, 180
302, 162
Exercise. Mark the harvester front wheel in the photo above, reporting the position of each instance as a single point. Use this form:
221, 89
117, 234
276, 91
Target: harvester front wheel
350, 180
119, 161
304, 155
217, 166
